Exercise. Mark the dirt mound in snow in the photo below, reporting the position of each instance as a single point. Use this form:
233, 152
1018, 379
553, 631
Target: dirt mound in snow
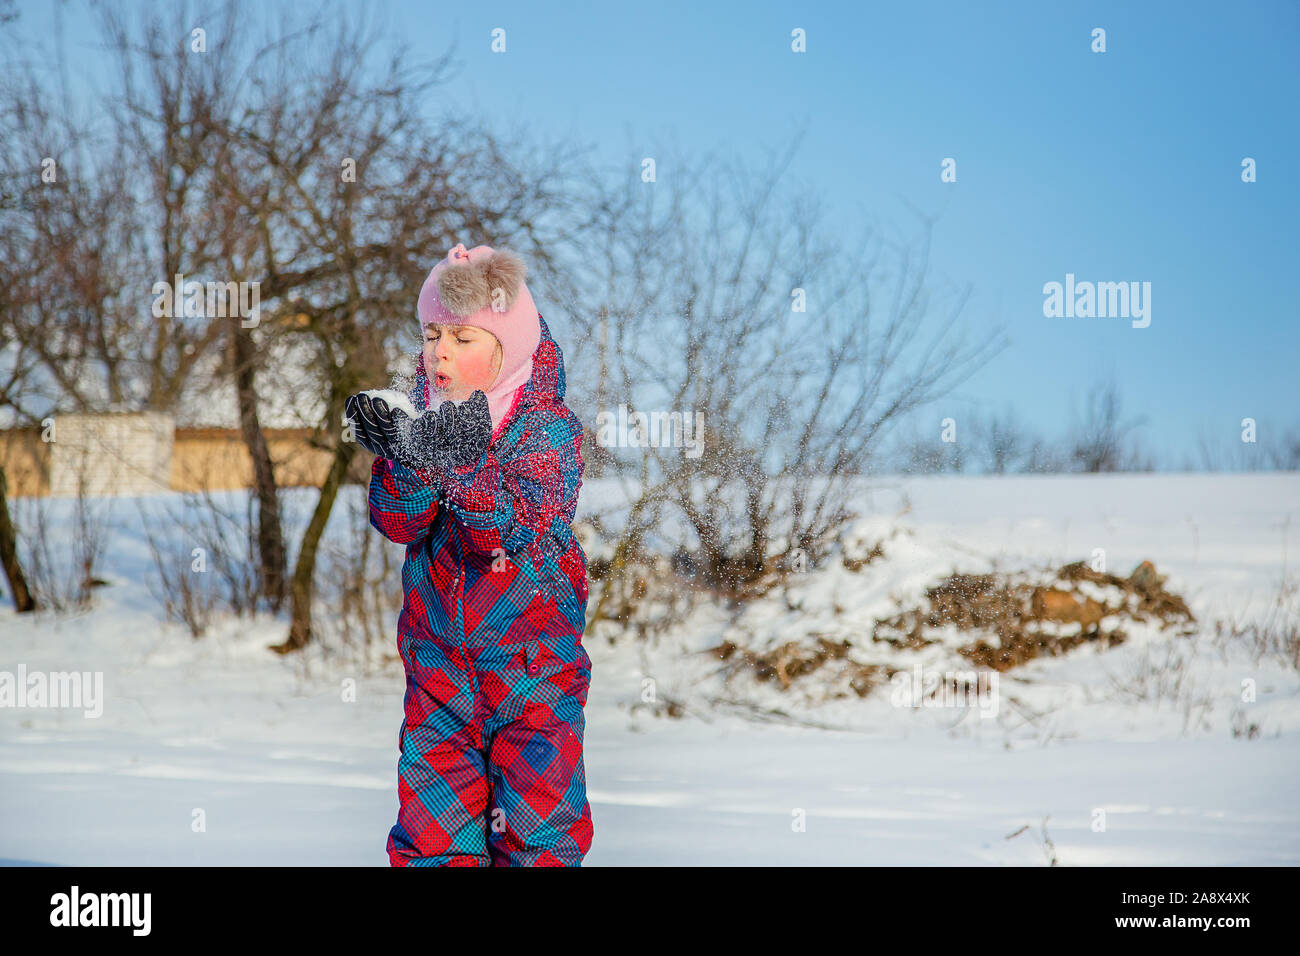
995, 620
1029, 619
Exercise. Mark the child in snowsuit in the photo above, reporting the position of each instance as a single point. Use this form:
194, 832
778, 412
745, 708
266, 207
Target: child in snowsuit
482, 493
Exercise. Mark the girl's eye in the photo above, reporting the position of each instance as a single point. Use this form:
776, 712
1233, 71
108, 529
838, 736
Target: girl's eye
462, 341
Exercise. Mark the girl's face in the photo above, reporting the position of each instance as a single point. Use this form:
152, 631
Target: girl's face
460, 359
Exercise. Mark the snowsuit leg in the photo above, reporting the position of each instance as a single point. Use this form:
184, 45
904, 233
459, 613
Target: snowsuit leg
442, 779
491, 772
538, 813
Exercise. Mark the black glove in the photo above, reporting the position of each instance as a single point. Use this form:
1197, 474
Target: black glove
449, 437
373, 423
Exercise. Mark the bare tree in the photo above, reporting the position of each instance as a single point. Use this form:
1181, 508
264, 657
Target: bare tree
177, 103
1100, 441
27, 390
22, 595
1284, 455
284, 166
718, 296
122, 195
1227, 450
17, 373
1001, 442
98, 234
929, 454
347, 254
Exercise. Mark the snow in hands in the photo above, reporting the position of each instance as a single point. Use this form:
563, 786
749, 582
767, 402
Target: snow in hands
394, 399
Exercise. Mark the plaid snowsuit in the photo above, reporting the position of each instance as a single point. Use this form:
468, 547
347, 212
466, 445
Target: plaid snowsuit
490, 634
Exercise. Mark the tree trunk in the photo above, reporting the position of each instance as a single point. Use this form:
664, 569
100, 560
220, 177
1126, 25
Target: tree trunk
270, 531
756, 555
23, 599
304, 570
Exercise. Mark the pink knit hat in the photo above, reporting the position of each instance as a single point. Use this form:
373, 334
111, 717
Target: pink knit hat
484, 288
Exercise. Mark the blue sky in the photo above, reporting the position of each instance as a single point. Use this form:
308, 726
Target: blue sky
1122, 166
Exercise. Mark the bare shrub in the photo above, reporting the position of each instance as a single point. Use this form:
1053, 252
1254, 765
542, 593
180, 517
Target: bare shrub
185, 594
206, 559
360, 586
1163, 673
63, 565
1101, 441
1275, 634
1222, 449
717, 298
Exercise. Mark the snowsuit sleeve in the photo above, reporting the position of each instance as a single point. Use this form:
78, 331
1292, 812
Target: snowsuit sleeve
509, 505
402, 504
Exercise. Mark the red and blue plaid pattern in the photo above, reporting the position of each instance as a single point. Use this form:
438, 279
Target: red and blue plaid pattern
490, 634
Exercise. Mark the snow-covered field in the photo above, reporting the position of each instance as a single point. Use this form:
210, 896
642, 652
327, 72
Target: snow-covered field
1086, 757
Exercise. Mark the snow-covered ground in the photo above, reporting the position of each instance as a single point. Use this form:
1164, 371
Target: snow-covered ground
1121, 757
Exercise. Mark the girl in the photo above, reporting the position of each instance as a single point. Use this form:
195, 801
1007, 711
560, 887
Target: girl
490, 633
